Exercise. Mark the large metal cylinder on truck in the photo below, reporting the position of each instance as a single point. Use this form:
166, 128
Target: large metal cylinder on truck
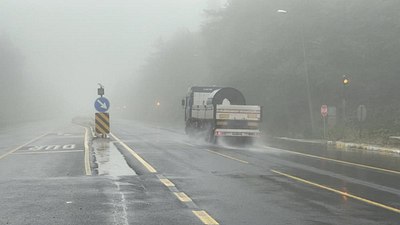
234, 96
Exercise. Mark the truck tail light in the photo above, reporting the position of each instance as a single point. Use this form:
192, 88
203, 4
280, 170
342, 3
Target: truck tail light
219, 133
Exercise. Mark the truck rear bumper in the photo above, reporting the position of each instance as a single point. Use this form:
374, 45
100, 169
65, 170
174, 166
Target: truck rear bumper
236, 133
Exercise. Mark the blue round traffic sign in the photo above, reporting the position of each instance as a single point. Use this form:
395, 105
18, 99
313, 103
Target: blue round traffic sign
102, 104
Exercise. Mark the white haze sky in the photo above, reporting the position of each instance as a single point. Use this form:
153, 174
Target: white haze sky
72, 45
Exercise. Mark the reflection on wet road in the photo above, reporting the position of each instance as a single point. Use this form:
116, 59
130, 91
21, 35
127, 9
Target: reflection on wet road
109, 160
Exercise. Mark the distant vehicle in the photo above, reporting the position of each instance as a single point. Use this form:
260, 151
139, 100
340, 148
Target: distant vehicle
220, 113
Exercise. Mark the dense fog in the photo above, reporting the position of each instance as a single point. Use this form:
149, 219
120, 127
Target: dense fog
53, 53
289, 56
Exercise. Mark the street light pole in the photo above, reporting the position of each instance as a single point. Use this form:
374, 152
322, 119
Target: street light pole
307, 74
310, 106
345, 83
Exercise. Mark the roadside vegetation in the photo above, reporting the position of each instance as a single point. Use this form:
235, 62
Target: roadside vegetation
11, 76
251, 46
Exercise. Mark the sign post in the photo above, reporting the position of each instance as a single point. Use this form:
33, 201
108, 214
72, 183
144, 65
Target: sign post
361, 116
324, 114
102, 123
102, 118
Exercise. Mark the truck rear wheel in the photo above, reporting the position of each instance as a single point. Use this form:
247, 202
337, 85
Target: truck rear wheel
210, 136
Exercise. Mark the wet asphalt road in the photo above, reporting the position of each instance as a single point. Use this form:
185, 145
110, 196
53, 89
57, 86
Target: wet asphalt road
177, 180
264, 185
43, 181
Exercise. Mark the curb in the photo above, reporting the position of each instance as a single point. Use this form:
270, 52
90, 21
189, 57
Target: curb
343, 145
346, 145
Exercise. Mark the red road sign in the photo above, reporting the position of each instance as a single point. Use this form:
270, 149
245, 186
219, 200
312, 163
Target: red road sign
324, 110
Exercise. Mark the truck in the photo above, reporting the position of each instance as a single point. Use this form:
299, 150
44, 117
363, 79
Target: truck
220, 113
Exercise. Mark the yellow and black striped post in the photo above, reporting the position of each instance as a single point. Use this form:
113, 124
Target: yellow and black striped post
102, 123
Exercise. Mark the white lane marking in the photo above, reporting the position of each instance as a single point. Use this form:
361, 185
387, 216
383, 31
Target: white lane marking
70, 146
41, 152
52, 147
120, 214
21, 146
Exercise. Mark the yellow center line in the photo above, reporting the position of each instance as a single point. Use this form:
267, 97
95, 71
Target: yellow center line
88, 169
338, 192
343, 162
21, 146
182, 197
140, 159
167, 182
227, 156
205, 218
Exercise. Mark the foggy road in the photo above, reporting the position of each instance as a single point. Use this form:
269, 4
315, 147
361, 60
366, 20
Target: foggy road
262, 185
176, 180
118, 112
